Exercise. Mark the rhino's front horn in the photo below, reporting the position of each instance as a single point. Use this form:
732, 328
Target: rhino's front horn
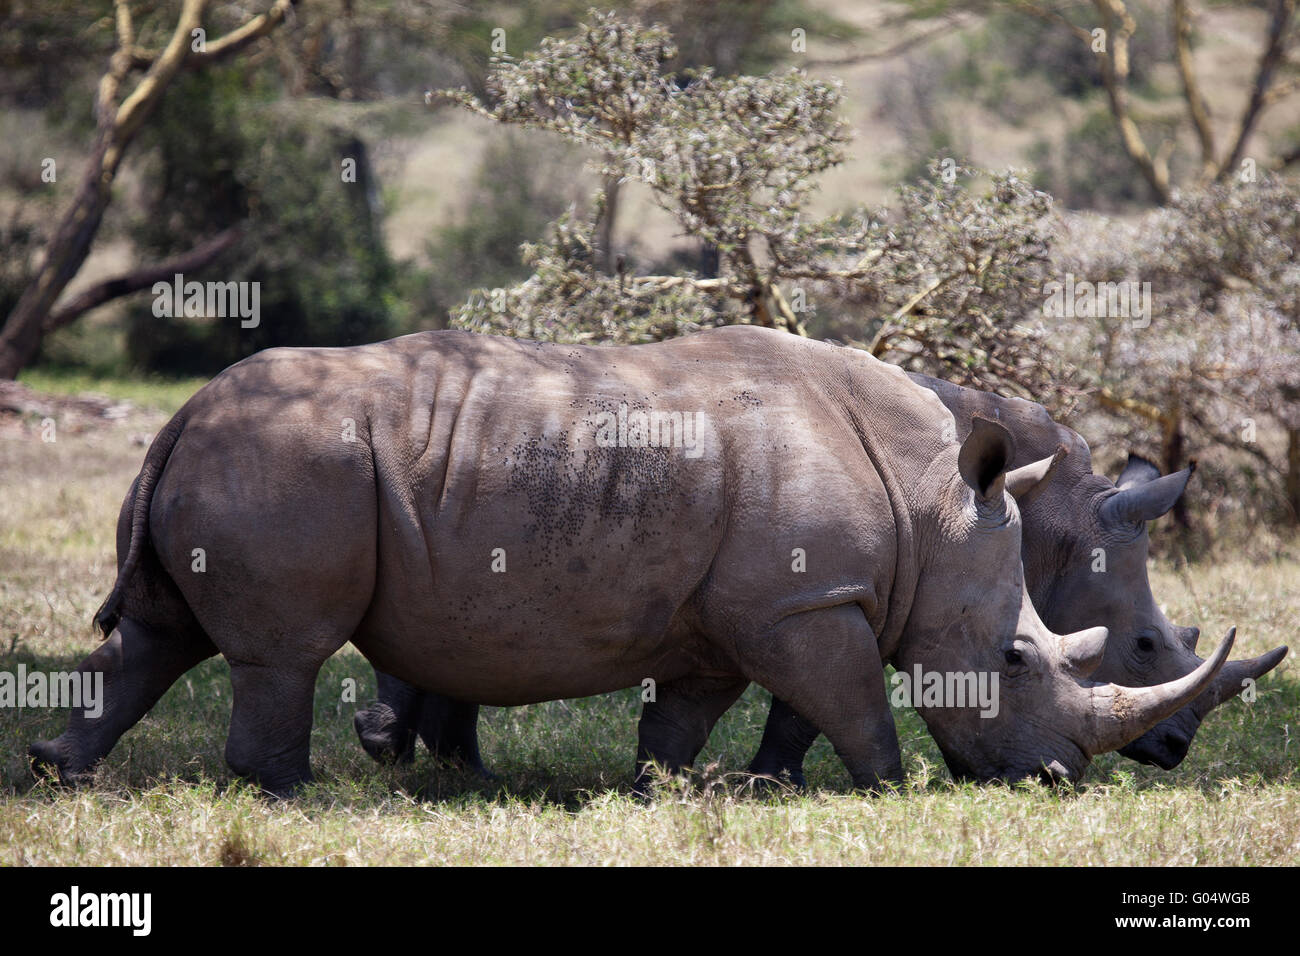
1146, 501
1232, 680
1119, 715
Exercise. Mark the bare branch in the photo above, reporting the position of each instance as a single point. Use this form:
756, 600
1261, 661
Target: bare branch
1196, 105
95, 296
1270, 58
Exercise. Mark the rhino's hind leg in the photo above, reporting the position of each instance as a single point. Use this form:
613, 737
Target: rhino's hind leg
825, 664
787, 737
138, 664
676, 725
270, 724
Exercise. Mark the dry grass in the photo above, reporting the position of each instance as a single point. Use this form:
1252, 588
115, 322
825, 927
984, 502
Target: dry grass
165, 796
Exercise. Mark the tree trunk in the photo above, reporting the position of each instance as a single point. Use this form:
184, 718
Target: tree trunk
1172, 452
20, 339
1293, 472
605, 232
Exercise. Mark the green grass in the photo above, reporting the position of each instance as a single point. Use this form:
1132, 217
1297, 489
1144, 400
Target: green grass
564, 768
162, 394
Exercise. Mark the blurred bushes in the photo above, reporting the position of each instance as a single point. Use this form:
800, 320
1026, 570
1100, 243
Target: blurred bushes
220, 154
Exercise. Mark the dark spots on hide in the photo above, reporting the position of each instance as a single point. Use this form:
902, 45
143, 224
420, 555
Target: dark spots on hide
568, 480
746, 397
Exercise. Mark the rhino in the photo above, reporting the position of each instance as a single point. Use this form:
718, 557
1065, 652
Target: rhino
508, 522
1070, 582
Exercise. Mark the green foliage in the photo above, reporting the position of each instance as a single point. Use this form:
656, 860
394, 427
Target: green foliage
736, 161
223, 155
521, 186
1089, 168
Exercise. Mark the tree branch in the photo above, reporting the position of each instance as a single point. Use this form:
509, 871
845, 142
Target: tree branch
1274, 50
95, 296
225, 47
1196, 106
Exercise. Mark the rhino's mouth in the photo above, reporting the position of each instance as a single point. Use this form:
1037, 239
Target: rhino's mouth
1166, 744
1067, 767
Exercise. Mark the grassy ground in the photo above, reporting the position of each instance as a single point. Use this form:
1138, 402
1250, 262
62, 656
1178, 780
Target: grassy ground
165, 796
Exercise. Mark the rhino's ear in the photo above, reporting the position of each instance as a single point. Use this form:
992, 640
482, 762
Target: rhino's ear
984, 457
1137, 471
1026, 481
1147, 500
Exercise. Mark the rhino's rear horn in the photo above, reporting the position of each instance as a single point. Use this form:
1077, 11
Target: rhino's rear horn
1145, 501
1025, 481
1083, 650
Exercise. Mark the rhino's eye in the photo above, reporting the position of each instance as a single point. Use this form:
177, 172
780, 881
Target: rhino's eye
1013, 656
1145, 644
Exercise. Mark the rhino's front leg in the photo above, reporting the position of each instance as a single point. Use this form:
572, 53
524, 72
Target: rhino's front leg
787, 737
826, 666
675, 726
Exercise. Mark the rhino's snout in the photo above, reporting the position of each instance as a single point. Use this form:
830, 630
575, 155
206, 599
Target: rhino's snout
1166, 744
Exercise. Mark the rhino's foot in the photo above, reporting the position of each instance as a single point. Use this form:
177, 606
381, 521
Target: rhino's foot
51, 760
675, 726
465, 764
383, 736
778, 779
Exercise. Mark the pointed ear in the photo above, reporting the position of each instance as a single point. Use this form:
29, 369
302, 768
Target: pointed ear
1137, 471
1083, 650
984, 457
1027, 480
1146, 501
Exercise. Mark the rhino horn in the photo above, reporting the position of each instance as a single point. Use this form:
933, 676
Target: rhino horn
1146, 500
1025, 479
1137, 471
1083, 650
983, 459
1232, 679
1122, 714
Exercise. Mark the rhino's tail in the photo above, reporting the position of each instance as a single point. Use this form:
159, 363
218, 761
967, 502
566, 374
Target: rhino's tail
155, 460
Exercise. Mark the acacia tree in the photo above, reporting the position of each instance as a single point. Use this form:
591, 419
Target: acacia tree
1107, 28
938, 284
119, 118
1222, 347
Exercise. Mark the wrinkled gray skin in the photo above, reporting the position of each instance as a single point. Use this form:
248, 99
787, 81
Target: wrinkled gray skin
1065, 520
624, 563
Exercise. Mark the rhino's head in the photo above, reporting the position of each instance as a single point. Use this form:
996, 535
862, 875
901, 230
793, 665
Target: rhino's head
1096, 570
972, 620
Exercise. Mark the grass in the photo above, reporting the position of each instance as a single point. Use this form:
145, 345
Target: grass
165, 796
162, 394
